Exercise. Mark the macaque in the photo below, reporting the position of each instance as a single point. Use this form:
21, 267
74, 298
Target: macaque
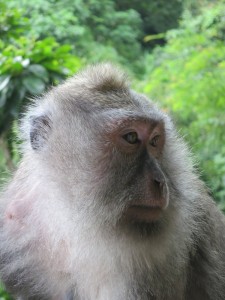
106, 203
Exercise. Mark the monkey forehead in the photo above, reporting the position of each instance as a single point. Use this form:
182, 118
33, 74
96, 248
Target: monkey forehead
122, 117
96, 89
73, 99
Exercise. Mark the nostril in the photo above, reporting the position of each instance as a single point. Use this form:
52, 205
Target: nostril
157, 182
160, 182
159, 186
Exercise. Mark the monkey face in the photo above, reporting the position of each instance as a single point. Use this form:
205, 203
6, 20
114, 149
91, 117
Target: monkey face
120, 163
133, 149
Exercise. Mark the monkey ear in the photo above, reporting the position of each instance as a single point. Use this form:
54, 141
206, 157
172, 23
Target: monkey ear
39, 131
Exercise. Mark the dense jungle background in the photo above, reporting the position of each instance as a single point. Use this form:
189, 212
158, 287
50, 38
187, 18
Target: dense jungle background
173, 51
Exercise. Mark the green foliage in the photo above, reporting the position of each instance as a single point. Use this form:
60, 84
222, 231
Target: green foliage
12, 23
95, 29
157, 16
188, 76
4, 295
28, 66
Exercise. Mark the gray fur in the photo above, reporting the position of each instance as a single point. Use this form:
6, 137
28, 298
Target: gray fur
61, 235
39, 131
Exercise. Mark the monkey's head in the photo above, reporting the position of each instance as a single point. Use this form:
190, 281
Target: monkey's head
106, 148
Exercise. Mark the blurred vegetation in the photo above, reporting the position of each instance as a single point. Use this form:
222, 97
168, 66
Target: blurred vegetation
95, 29
3, 294
28, 66
174, 50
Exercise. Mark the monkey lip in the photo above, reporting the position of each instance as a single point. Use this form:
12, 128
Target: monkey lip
143, 213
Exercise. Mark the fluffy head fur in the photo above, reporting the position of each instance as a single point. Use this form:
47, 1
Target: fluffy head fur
60, 217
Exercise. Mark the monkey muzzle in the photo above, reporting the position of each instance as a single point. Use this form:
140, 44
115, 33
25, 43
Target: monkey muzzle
150, 206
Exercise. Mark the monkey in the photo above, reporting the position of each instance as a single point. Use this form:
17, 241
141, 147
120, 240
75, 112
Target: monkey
106, 202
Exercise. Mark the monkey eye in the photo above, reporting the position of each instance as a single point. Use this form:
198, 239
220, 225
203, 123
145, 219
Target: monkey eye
154, 141
131, 137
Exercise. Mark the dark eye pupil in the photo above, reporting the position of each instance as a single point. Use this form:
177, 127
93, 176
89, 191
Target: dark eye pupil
154, 141
131, 137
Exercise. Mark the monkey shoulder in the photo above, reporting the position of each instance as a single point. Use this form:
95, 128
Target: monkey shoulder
206, 271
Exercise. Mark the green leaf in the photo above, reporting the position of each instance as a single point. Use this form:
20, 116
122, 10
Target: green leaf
39, 71
153, 37
17, 67
2, 99
34, 84
4, 80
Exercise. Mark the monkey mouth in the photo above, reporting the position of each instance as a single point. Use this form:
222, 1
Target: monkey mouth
143, 213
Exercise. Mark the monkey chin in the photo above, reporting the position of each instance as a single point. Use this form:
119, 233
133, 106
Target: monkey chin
144, 220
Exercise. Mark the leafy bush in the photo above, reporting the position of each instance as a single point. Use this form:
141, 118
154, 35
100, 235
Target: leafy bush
28, 66
188, 76
157, 16
95, 29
